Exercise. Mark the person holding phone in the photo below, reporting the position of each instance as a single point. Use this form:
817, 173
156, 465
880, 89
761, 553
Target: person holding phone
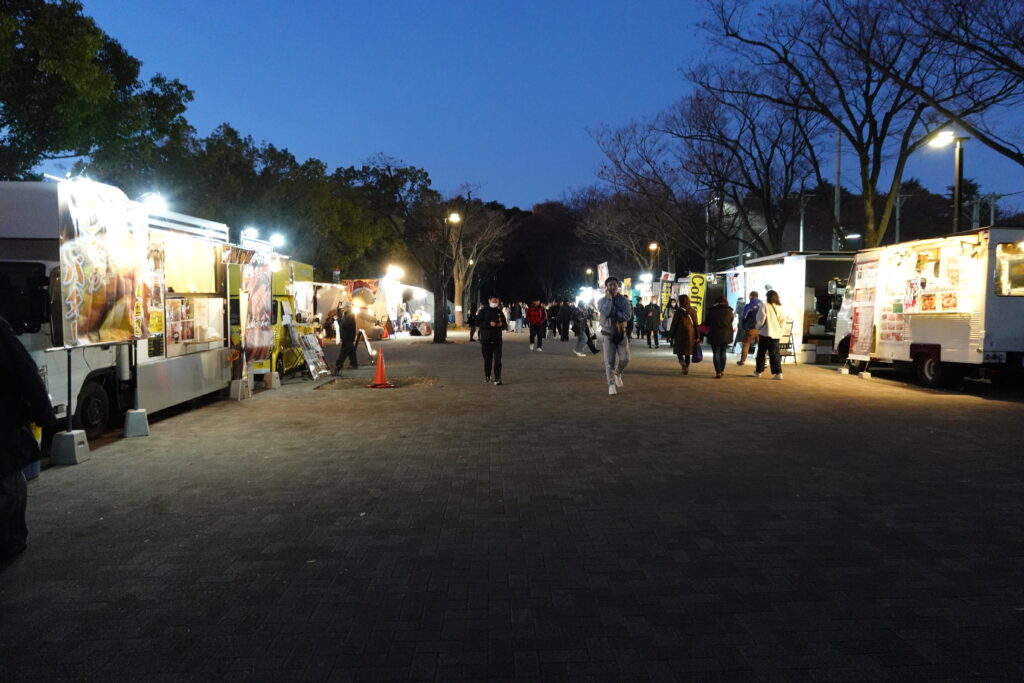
615, 315
491, 320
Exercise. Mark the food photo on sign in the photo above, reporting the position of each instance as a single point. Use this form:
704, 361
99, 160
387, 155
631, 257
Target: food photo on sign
103, 242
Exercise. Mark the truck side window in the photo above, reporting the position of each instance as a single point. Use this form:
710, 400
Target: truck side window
1010, 269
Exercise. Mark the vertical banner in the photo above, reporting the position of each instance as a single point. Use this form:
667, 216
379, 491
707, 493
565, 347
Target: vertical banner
259, 333
103, 241
602, 273
666, 294
862, 336
697, 292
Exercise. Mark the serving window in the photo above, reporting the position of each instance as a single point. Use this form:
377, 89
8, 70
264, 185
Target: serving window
1010, 269
194, 323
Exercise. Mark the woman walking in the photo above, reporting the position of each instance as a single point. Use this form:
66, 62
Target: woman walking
684, 332
720, 319
771, 323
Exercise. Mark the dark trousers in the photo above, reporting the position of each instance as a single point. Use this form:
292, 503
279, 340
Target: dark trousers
347, 351
537, 333
472, 331
769, 346
13, 499
564, 329
492, 358
652, 331
718, 356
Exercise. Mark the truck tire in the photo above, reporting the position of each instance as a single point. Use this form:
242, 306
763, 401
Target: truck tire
928, 370
93, 412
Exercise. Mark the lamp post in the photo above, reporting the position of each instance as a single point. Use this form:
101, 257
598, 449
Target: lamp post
590, 271
653, 248
943, 139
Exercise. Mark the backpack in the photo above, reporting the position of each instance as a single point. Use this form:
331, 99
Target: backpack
750, 319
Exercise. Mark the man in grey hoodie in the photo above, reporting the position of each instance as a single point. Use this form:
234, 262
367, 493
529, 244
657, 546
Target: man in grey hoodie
615, 313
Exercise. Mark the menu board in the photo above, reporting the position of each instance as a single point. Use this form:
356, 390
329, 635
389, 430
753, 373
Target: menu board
865, 279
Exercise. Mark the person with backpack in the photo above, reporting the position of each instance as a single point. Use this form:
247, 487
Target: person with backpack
771, 325
684, 332
536, 318
749, 324
719, 333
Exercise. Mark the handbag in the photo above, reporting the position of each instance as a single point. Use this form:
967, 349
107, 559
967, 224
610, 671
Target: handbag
698, 353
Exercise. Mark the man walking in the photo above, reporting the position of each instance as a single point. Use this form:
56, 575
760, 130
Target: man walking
23, 400
615, 314
516, 316
565, 313
347, 338
536, 318
652, 324
492, 321
749, 323
581, 326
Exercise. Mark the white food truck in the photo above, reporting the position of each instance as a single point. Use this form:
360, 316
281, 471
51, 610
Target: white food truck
951, 306
130, 281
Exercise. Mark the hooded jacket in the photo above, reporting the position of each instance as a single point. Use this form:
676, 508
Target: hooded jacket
613, 311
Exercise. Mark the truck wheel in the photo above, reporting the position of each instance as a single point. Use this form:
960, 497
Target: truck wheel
929, 371
93, 411
857, 366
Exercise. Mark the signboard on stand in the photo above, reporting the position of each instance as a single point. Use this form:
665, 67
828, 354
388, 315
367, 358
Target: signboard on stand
103, 248
602, 273
862, 336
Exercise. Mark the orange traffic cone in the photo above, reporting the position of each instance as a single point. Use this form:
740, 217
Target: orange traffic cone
381, 380
385, 331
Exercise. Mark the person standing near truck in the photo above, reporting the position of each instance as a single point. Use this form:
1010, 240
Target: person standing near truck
347, 339
23, 401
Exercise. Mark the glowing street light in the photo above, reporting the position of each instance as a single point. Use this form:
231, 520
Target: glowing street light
155, 204
250, 233
653, 246
395, 272
944, 138
277, 239
454, 217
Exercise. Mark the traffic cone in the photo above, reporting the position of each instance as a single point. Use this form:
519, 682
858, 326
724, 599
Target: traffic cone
381, 380
385, 331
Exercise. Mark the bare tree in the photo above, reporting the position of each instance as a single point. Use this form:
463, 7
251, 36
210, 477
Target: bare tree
822, 58
471, 241
982, 45
752, 155
661, 200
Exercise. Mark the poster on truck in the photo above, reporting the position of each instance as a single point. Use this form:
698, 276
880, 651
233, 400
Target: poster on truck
259, 331
103, 245
863, 313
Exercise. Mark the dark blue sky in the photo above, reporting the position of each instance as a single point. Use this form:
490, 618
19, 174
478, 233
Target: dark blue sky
497, 93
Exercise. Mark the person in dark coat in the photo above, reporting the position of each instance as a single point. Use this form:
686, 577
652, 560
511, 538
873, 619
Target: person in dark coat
637, 320
492, 321
720, 319
347, 331
23, 401
652, 322
553, 318
472, 321
684, 332
565, 315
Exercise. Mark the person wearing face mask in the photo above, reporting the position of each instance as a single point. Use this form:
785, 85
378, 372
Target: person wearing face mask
491, 321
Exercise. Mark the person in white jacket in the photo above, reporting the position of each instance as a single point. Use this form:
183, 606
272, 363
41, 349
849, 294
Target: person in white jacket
771, 324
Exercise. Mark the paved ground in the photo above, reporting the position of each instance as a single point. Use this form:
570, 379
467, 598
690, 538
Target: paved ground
819, 528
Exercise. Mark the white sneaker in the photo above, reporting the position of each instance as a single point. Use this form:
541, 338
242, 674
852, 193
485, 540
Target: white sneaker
778, 376
540, 349
611, 390
581, 355
756, 374
531, 347
618, 380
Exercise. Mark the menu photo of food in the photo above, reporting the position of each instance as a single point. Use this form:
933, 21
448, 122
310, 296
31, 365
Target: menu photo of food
928, 302
949, 301
174, 320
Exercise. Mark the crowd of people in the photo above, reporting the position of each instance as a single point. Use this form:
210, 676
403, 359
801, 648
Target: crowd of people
760, 324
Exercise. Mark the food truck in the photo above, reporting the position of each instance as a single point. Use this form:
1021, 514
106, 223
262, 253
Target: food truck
950, 306
86, 274
292, 317
808, 284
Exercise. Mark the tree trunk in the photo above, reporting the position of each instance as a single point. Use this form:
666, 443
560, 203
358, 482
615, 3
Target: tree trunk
440, 312
460, 286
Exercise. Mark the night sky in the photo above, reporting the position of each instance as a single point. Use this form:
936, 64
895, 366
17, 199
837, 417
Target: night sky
498, 94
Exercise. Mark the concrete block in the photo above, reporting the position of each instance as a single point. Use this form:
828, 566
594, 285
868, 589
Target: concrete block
136, 423
271, 380
69, 448
864, 374
240, 389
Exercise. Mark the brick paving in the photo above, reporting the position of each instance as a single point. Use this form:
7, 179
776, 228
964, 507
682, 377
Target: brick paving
819, 528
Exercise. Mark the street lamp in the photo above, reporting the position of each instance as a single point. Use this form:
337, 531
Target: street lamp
454, 217
943, 139
277, 239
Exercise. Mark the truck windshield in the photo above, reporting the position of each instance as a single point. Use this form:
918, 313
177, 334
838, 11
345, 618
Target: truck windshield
24, 297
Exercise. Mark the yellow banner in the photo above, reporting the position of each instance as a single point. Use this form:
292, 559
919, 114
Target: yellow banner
698, 289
